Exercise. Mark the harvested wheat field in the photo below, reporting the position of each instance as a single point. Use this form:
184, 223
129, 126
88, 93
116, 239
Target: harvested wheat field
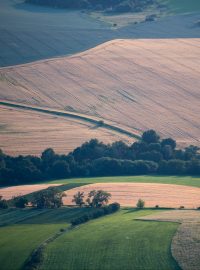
25, 132
186, 243
127, 194
140, 84
9, 192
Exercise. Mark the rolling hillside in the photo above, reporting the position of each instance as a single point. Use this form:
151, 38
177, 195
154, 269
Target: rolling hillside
139, 84
30, 32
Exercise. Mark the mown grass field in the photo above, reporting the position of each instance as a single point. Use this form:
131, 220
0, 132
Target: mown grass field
114, 242
32, 227
17, 242
177, 180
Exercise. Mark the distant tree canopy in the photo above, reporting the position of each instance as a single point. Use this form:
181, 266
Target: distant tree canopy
103, 5
149, 155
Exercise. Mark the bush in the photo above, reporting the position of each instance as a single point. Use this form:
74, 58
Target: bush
111, 208
114, 207
140, 204
20, 202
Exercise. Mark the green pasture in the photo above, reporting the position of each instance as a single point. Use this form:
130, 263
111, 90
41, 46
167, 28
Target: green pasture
176, 180
31, 228
114, 242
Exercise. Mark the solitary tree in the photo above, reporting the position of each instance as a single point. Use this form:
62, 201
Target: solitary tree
150, 136
98, 198
79, 198
140, 204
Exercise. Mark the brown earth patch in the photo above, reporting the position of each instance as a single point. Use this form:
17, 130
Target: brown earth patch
127, 194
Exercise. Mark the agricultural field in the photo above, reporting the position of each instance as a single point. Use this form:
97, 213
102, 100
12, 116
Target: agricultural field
116, 89
127, 194
9, 192
145, 244
186, 243
21, 130
33, 226
176, 180
29, 32
165, 191
116, 242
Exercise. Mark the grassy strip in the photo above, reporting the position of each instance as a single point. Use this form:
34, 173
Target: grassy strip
71, 115
176, 180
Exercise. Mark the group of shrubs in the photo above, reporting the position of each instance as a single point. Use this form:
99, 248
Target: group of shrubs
96, 213
99, 5
148, 155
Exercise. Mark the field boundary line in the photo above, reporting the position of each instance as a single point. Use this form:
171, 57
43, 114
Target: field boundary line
71, 115
36, 257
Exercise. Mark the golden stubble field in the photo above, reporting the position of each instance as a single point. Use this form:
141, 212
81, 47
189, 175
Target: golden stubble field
27, 132
9, 192
140, 84
127, 194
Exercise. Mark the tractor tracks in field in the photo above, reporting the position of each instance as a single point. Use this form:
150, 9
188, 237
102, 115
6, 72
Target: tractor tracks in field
98, 122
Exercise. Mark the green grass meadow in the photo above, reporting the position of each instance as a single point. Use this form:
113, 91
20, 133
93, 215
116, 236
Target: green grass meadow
18, 241
22, 231
114, 242
176, 180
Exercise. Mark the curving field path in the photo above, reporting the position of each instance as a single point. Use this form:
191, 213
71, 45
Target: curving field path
127, 194
140, 84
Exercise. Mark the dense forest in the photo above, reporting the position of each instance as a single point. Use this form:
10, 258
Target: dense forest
150, 155
102, 5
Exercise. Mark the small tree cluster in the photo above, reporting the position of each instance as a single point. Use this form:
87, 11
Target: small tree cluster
48, 198
95, 198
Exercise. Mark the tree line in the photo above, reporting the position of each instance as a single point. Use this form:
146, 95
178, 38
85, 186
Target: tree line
150, 155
